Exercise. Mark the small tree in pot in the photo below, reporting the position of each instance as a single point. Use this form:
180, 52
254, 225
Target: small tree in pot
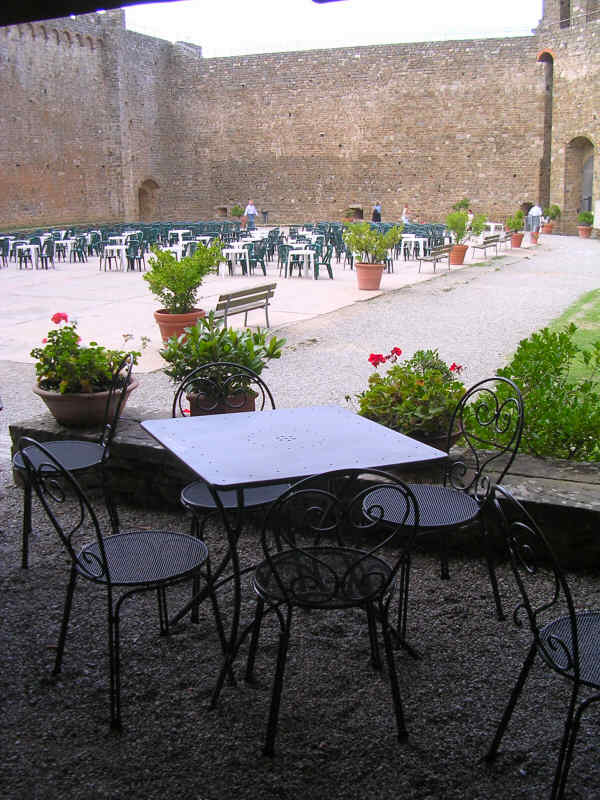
371, 247
516, 225
585, 220
176, 283
457, 223
551, 213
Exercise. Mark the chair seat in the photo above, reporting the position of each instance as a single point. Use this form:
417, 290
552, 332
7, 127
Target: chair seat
141, 557
72, 454
322, 577
439, 506
557, 635
197, 495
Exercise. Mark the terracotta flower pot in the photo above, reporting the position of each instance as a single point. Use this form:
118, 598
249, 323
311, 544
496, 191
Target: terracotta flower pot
585, 231
457, 254
516, 239
547, 227
369, 275
84, 410
201, 406
175, 324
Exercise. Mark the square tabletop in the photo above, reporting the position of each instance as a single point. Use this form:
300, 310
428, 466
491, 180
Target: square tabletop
251, 448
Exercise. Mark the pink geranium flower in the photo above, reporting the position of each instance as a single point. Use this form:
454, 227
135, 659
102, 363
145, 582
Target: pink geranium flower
60, 316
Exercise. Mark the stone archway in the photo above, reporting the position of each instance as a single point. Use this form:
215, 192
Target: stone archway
578, 181
148, 201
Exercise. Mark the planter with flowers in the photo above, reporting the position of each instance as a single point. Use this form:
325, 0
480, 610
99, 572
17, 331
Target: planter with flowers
416, 397
585, 220
176, 283
371, 248
209, 341
74, 380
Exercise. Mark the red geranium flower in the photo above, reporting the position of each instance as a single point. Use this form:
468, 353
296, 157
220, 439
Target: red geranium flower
396, 351
44, 340
454, 367
376, 358
60, 316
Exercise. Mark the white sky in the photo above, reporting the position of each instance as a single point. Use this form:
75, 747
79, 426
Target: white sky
237, 27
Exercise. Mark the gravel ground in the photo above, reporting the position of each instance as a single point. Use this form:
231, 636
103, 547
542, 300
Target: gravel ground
336, 735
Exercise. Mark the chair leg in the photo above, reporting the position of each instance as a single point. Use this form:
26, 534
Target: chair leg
489, 558
393, 675
518, 687
114, 657
568, 744
375, 656
249, 676
284, 639
163, 612
26, 525
62, 637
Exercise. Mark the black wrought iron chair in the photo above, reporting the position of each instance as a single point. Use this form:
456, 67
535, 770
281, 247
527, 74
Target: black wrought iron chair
568, 644
326, 547
488, 423
222, 388
126, 562
78, 455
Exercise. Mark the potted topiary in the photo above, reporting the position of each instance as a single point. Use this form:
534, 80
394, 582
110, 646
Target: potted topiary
516, 225
176, 283
585, 220
371, 248
457, 223
551, 213
210, 341
416, 397
73, 379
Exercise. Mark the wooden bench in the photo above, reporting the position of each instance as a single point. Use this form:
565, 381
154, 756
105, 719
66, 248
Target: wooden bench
245, 300
437, 254
488, 241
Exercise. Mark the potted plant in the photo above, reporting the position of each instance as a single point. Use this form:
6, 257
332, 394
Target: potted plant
371, 246
210, 341
416, 397
585, 220
176, 283
457, 223
551, 213
74, 380
516, 225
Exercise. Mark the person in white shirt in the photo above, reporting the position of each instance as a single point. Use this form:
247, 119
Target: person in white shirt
250, 213
534, 217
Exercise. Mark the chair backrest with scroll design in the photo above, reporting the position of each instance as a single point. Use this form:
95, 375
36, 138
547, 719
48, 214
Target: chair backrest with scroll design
115, 400
488, 423
221, 387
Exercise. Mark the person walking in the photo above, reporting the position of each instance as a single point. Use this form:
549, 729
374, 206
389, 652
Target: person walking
534, 218
376, 215
250, 213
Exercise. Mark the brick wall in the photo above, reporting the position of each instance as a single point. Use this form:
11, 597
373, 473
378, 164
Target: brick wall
91, 111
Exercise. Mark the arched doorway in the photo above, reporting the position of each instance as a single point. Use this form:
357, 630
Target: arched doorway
579, 168
148, 201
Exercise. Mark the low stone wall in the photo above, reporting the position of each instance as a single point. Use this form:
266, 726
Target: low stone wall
564, 497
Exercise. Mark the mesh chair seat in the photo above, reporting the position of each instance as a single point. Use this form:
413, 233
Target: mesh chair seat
557, 635
142, 557
322, 577
74, 455
197, 495
439, 506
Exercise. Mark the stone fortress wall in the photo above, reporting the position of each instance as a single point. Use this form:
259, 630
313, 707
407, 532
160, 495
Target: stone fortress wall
101, 123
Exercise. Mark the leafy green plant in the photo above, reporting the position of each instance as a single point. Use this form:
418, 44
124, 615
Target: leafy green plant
237, 211
585, 218
176, 283
562, 414
462, 205
209, 340
456, 222
417, 397
65, 366
552, 212
516, 223
370, 244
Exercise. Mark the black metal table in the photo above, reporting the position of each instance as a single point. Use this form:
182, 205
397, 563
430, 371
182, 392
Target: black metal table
235, 451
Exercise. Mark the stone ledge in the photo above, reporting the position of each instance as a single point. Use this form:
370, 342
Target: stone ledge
564, 497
